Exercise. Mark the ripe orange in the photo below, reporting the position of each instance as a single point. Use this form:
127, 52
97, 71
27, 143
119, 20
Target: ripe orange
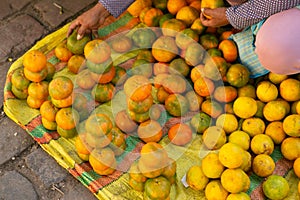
60, 87
289, 89
188, 15
67, 118
35, 61
137, 87
97, 47
180, 134
174, 6
150, 131
62, 52
244, 107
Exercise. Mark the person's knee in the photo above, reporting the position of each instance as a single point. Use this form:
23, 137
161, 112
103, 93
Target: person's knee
277, 43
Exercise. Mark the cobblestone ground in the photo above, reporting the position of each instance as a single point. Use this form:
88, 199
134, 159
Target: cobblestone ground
26, 171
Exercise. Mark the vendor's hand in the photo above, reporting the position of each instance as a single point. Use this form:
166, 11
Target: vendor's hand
217, 15
89, 21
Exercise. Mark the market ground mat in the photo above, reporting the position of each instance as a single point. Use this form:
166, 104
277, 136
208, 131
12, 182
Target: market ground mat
115, 186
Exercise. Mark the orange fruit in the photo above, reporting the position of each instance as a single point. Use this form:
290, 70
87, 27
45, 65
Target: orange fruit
50, 125
244, 107
33, 102
185, 37
140, 106
212, 108
137, 87
164, 49
228, 122
154, 156
124, 122
34, 61
277, 78
275, 131
60, 87
171, 27
98, 124
215, 189
211, 165
176, 105
135, 173
296, 167
188, 15
62, 52
266, 91
102, 159
214, 137
225, 35
237, 75
238, 196
262, 144
211, 4
174, 6
48, 110
97, 47
229, 50
197, 26
276, 187
194, 100
121, 43
137, 6
84, 79
174, 83
225, 93
151, 17
197, 72
290, 148
105, 77
289, 89
253, 126
196, 179
274, 110
291, 125
63, 103
204, 87
150, 131
215, 68
240, 138
196, 4
235, 180
247, 90
36, 76
76, 64
18, 79
179, 66
180, 134
67, 118
194, 54
263, 165
38, 90
157, 188
231, 155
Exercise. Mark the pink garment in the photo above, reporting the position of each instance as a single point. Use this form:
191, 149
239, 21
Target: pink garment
278, 42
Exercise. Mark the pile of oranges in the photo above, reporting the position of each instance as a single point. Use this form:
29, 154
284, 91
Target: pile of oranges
185, 70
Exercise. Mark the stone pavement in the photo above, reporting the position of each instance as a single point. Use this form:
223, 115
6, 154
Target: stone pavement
26, 171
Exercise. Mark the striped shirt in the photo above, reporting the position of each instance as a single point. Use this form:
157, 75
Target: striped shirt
253, 11
116, 7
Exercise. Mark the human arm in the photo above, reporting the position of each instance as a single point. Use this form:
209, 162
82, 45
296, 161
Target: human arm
246, 14
90, 20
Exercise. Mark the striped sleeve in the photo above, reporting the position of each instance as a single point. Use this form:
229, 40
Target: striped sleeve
252, 11
116, 7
